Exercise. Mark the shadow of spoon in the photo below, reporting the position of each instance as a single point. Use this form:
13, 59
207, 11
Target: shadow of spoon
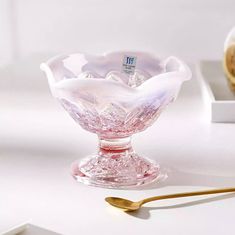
144, 213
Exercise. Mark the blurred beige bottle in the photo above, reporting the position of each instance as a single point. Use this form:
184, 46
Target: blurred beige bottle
229, 58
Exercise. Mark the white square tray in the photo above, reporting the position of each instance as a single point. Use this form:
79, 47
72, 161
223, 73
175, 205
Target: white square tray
28, 229
219, 99
35, 230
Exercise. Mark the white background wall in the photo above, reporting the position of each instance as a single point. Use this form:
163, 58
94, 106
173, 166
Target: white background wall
32, 30
5, 32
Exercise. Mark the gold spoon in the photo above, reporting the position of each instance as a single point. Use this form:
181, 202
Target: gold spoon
128, 205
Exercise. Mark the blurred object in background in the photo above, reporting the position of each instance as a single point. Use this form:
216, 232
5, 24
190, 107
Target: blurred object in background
229, 58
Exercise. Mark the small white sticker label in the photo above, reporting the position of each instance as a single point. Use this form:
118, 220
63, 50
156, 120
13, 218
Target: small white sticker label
128, 64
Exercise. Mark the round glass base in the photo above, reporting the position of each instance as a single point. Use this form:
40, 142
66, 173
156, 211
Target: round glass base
116, 169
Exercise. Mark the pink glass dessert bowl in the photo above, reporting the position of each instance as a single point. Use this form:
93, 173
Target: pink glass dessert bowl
111, 98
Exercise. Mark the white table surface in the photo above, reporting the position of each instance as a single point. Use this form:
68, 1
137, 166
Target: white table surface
38, 142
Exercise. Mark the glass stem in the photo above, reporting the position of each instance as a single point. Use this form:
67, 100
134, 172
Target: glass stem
118, 144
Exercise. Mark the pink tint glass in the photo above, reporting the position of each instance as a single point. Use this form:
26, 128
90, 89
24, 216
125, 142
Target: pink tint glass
104, 99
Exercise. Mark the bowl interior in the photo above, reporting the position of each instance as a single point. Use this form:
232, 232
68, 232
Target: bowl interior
113, 66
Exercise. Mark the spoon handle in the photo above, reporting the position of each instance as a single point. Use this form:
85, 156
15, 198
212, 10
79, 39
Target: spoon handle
188, 194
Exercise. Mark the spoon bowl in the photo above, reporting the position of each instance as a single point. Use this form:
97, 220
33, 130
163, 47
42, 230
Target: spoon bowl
122, 203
